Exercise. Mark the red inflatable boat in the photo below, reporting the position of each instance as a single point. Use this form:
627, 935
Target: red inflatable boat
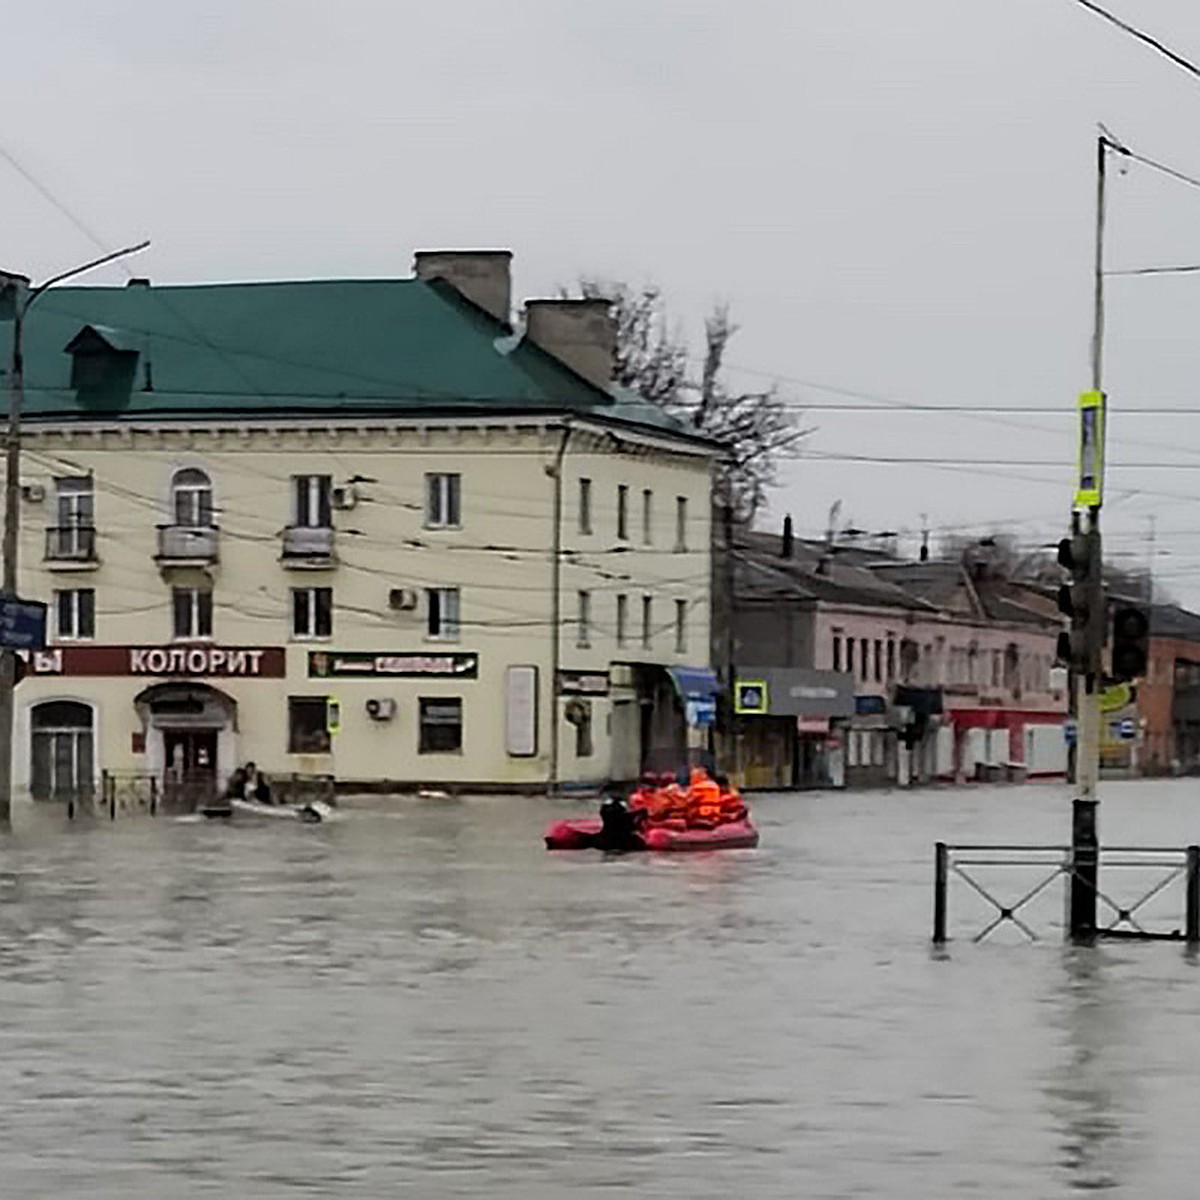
584, 834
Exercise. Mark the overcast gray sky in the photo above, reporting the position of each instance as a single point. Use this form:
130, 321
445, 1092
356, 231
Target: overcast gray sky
894, 197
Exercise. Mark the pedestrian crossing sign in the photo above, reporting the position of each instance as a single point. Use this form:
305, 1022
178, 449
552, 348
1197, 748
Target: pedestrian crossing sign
750, 697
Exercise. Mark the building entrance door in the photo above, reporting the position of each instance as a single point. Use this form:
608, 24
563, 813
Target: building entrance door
190, 775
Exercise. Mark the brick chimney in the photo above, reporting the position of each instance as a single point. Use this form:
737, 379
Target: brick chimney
580, 333
483, 276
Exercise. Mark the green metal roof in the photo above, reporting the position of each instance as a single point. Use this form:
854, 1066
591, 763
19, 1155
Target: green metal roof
332, 348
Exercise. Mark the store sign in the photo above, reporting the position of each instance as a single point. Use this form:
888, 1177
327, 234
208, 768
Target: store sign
701, 712
186, 661
805, 724
750, 696
583, 683
356, 664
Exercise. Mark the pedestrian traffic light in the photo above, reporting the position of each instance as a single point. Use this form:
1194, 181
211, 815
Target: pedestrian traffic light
1082, 601
1131, 643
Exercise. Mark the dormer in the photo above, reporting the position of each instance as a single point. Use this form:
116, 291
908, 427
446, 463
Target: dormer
103, 358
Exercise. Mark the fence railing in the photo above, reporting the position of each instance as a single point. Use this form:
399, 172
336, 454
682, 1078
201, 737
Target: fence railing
143, 791
1123, 919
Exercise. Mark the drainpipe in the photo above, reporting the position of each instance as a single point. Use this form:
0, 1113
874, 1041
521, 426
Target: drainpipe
556, 472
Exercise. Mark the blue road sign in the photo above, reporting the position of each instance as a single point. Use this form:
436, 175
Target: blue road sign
22, 623
1070, 731
1127, 729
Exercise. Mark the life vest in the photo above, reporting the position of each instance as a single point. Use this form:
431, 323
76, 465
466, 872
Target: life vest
704, 799
733, 808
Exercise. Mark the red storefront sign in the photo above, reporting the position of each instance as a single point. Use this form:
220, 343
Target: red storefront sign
180, 661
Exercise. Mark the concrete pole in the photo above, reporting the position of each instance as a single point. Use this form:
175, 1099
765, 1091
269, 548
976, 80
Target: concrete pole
23, 301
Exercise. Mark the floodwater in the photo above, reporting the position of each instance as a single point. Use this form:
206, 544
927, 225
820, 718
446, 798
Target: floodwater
417, 999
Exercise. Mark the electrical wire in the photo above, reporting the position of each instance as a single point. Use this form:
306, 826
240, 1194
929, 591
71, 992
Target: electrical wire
1154, 43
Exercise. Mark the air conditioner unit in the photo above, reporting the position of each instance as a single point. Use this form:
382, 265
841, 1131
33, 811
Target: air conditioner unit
33, 492
402, 599
345, 497
381, 708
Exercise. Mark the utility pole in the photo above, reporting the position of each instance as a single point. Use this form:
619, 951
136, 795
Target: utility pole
17, 295
1088, 659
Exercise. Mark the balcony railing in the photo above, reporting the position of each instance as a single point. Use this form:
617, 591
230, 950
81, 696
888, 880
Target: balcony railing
305, 545
71, 544
187, 543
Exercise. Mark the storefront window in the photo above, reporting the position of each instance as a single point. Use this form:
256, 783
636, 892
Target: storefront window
62, 754
441, 726
308, 725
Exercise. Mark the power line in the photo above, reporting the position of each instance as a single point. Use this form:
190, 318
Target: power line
1141, 36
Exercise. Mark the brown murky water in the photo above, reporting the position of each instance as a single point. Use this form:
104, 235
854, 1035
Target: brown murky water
421, 997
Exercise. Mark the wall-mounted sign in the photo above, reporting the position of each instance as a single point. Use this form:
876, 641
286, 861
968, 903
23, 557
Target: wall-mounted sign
188, 661
870, 706
520, 711
750, 697
22, 623
583, 683
360, 664
333, 715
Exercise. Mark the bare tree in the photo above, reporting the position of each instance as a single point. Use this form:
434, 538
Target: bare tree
757, 429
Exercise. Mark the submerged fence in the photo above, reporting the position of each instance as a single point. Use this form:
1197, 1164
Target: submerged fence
1122, 918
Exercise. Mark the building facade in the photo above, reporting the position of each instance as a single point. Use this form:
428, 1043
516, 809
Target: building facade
352, 529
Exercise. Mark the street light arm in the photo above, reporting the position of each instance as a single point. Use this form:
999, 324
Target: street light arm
88, 266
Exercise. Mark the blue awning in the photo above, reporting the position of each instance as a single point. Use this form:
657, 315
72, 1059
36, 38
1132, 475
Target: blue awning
694, 683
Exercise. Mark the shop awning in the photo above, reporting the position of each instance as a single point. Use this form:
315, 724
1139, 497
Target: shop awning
694, 683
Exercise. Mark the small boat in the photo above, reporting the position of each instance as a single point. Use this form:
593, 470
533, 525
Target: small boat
586, 833
311, 813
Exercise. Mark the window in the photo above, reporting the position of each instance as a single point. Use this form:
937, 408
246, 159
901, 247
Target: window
192, 499
312, 501
583, 631
585, 506
837, 652
680, 626
891, 659
647, 622
443, 495
312, 612
680, 524
441, 729
308, 725
75, 534
441, 614
622, 512
864, 658
850, 655
75, 613
647, 517
62, 754
878, 661
193, 610
997, 667
622, 619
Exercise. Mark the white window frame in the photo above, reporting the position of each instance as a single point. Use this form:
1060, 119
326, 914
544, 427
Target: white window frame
67, 604
195, 614
305, 626
443, 500
583, 630
443, 609
308, 491
193, 495
585, 505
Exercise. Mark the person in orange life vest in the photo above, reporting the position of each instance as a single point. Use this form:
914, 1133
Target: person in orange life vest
733, 808
670, 801
704, 799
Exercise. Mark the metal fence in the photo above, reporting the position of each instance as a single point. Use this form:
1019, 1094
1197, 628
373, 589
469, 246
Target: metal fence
1167, 867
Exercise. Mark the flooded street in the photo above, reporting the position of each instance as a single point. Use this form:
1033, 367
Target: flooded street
420, 996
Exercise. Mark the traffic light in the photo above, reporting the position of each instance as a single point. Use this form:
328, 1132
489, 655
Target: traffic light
1131, 643
1082, 600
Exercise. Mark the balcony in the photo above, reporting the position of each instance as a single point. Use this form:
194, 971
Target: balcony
307, 547
71, 547
187, 545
